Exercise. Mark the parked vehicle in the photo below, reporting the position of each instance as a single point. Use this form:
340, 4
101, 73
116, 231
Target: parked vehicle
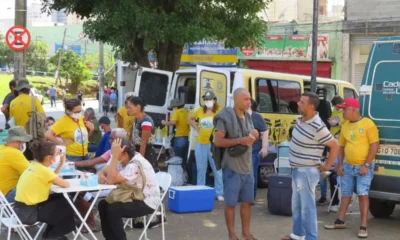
276, 93
379, 98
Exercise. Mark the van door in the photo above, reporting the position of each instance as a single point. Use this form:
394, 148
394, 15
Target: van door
152, 86
210, 79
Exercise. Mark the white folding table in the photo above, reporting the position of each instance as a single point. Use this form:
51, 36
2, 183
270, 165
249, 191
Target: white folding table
76, 188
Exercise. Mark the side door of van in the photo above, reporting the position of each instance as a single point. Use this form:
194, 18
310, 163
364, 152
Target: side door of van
152, 86
210, 79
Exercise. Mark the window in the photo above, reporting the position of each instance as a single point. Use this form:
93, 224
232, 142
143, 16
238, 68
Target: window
274, 96
349, 93
326, 91
186, 89
153, 88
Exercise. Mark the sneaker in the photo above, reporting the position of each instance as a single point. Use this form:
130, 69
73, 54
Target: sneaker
336, 225
334, 209
156, 223
363, 232
322, 201
221, 198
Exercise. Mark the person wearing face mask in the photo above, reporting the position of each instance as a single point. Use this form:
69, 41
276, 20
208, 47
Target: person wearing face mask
12, 161
74, 131
202, 122
130, 171
104, 144
33, 203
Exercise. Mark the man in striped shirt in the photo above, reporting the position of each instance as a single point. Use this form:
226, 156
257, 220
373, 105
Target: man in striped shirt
309, 138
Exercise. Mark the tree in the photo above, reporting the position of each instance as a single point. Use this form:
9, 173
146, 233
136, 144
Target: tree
109, 62
36, 56
162, 27
72, 67
6, 54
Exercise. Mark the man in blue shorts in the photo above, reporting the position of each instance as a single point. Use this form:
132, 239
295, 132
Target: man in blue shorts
235, 132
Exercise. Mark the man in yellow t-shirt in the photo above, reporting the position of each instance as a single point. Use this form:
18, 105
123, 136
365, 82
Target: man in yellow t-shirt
123, 119
12, 161
359, 143
21, 106
179, 120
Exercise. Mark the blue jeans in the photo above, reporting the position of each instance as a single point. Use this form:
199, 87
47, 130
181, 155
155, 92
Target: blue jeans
323, 184
304, 208
255, 156
11, 195
202, 153
181, 147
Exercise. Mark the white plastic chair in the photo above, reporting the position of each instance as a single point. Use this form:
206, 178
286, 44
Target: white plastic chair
164, 181
10, 219
283, 163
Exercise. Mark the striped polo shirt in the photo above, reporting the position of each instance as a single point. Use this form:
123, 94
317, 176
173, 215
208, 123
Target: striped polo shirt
308, 142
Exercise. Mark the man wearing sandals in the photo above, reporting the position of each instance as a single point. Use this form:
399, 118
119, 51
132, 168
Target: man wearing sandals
359, 143
309, 138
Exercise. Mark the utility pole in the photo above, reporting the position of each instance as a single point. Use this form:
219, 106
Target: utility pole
101, 74
58, 78
84, 53
314, 47
19, 56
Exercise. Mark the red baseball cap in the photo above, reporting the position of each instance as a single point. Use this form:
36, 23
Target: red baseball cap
349, 102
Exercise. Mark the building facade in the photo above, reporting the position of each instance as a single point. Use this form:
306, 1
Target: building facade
365, 21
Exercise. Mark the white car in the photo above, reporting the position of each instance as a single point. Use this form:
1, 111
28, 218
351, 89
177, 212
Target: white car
34, 92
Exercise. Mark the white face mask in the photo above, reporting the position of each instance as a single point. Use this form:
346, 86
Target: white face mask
209, 104
56, 161
22, 148
76, 115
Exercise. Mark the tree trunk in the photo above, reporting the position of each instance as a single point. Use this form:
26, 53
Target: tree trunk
169, 56
139, 54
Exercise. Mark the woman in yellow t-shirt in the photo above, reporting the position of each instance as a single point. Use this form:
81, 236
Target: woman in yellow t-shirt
336, 120
74, 131
123, 119
33, 201
182, 128
202, 121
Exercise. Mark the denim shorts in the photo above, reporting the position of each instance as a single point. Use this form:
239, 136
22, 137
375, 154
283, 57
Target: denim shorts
352, 179
237, 187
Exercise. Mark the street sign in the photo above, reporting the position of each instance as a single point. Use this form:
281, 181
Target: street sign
18, 38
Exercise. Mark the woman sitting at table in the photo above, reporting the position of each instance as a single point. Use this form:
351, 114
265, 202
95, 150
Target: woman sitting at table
34, 203
130, 170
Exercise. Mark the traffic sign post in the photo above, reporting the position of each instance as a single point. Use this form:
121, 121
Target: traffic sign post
18, 38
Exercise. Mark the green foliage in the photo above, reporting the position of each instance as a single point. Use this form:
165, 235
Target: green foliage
109, 62
137, 27
36, 56
72, 67
6, 54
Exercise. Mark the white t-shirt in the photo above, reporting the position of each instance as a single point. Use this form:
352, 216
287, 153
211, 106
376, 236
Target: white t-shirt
133, 177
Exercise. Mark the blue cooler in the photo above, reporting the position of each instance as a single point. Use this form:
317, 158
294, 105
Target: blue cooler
189, 199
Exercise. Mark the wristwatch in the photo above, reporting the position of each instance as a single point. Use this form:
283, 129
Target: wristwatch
367, 165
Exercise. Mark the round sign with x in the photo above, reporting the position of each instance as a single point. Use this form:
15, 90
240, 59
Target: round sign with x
18, 38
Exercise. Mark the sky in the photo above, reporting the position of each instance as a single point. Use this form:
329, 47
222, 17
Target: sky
8, 7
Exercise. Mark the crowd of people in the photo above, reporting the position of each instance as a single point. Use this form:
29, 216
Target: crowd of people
230, 140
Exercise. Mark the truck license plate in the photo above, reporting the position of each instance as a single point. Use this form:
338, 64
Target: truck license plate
389, 150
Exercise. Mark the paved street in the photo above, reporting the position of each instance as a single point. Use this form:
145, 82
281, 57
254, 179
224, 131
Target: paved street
210, 226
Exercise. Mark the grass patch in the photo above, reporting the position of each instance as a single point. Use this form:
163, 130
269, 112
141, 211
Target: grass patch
89, 88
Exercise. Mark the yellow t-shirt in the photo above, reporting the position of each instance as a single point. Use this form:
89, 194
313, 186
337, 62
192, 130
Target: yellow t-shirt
356, 139
12, 164
205, 124
337, 116
182, 127
34, 185
127, 120
70, 129
21, 106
